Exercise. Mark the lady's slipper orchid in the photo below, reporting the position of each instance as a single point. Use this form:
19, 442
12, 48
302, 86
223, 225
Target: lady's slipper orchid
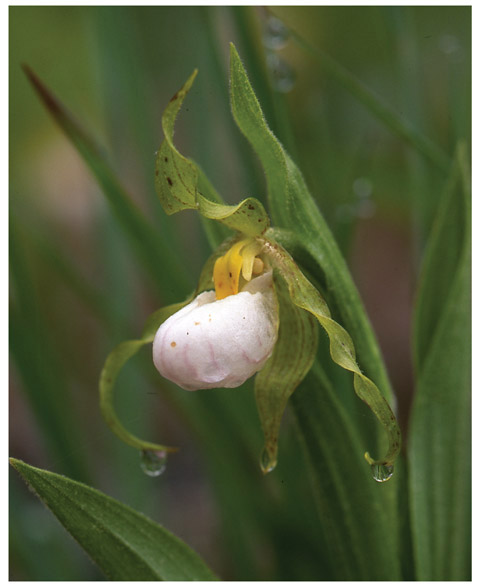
219, 342
251, 323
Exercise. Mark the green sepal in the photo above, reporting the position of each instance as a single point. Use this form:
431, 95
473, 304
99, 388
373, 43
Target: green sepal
123, 352
177, 181
290, 362
342, 351
114, 364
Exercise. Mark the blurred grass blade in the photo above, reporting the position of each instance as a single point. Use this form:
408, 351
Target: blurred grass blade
95, 300
145, 240
357, 514
448, 242
375, 105
293, 208
120, 63
125, 544
440, 428
40, 368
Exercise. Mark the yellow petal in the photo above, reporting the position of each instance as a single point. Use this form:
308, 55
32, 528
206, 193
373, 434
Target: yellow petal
249, 253
227, 271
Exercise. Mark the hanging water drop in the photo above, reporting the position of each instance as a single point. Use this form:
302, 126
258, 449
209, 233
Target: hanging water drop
282, 74
267, 462
152, 462
382, 473
276, 34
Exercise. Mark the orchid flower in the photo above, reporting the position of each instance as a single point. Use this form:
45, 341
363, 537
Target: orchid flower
254, 312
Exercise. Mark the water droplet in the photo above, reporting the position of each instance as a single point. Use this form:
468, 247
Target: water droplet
267, 462
362, 187
451, 47
152, 462
276, 34
282, 74
382, 473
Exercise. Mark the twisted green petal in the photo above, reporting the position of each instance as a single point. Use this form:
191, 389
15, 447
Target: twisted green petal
305, 295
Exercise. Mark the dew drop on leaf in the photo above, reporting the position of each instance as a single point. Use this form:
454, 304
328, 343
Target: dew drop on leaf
267, 463
153, 463
382, 473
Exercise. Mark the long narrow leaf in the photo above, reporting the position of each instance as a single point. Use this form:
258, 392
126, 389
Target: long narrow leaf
125, 544
292, 207
354, 510
440, 429
38, 364
145, 240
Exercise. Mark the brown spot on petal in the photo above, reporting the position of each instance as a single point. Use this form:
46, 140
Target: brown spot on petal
173, 343
197, 323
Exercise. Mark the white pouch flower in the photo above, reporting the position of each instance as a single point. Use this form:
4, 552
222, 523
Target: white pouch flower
219, 343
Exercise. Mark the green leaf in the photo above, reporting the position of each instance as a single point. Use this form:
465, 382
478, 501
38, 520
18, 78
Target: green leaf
147, 242
440, 426
32, 346
293, 208
306, 296
447, 243
125, 544
291, 360
356, 513
177, 181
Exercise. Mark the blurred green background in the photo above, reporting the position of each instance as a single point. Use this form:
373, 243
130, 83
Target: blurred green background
77, 289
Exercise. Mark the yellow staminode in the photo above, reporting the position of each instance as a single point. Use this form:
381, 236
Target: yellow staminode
239, 259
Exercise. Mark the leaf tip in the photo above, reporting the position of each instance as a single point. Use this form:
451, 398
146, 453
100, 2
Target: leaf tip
48, 99
193, 75
234, 55
18, 465
189, 82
